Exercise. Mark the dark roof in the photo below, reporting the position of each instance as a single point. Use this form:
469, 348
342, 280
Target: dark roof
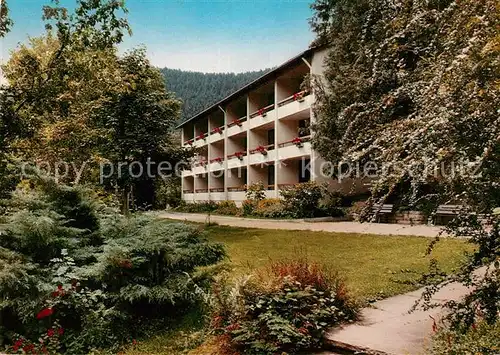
257, 82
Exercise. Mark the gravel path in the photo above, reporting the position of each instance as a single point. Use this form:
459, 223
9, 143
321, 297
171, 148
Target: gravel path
336, 227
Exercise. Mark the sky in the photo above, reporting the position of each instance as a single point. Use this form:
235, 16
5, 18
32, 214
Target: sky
196, 35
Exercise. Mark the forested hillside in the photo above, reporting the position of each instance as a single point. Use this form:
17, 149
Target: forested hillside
200, 90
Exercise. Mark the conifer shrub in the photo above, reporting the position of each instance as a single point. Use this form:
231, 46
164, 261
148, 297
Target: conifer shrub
81, 277
284, 308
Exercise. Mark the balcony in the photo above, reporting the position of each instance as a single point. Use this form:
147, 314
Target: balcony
216, 134
262, 154
237, 193
296, 106
216, 164
200, 167
237, 159
187, 172
200, 140
295, 148
262, 116
237, 126
189, 143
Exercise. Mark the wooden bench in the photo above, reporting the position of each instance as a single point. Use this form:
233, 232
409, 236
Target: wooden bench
446, 211
381, 210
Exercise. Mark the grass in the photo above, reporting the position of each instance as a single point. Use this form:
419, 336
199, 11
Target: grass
372, 265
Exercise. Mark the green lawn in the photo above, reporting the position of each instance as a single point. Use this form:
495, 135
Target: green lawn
371, 264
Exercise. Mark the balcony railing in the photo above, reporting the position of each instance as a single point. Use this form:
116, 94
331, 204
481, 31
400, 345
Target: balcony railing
237, 188
217, 160
298, 96
262, 111
237, 122
238, 155
188, 191
263, 149
189, 142
200, 191
201, 163
269, 187
219, 130
298, 141
201, 136
217, 189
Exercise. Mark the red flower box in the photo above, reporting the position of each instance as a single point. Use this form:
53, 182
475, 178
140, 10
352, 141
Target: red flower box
201, 136
217, 130
261, 149
299, 96
261, 112
297, 141
239, 155
237, 122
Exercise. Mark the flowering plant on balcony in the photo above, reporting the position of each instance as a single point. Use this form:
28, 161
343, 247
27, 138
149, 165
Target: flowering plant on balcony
201, 136
189, 142
217, 160
217, 130
237, 121
239, 155
297, 141
261, 149
261, 112
299, 96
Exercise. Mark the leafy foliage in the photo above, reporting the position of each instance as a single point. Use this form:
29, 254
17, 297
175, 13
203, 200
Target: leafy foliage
302, 200
122, 271
412, 87
5, 21
480, 339
126, 122
286, 308
73, 80
256, 191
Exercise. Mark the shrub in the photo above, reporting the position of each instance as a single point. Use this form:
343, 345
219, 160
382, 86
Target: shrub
482, 338
357, 209
302, 200
248, 207
198, 207
129, 272
167, 193
256, 191
285, 308
331, 204
270, 208
227, 208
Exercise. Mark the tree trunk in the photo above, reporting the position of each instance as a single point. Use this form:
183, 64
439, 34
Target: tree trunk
125, 201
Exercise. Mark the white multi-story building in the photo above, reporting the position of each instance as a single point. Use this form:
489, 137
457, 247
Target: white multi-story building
260, 133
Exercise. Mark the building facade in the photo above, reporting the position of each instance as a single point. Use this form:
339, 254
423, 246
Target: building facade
258, 134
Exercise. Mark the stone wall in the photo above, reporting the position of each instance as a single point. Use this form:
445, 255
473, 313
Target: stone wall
408, 217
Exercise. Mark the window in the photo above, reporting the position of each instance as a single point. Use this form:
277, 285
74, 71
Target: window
304, 170
270, 175
270, 136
